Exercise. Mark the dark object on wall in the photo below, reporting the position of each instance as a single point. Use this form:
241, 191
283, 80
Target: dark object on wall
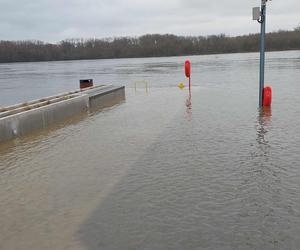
86, 83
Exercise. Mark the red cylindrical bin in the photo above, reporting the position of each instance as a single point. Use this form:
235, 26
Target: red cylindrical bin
267, 96
86, 83
187, 67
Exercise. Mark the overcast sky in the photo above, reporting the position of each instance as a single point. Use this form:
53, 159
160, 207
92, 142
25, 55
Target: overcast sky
55, 20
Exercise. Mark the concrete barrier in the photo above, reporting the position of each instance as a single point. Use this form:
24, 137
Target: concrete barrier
20, 120
106, 98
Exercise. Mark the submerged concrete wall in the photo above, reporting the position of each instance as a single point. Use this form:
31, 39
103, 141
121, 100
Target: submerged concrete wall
107, 98
24, 122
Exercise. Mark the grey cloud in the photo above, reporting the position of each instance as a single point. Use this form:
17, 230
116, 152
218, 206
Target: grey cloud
54, 20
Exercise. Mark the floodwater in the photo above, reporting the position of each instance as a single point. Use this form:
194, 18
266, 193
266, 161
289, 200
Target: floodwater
160, 170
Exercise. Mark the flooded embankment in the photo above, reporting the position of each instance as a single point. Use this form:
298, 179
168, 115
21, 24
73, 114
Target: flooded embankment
23, 119
162, 171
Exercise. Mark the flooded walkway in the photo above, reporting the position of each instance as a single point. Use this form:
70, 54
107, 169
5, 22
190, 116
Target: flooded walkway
156, 173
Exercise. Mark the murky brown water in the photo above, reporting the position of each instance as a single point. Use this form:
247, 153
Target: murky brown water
152, 173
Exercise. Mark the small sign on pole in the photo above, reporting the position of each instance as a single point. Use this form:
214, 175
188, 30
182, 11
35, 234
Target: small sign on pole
256, 13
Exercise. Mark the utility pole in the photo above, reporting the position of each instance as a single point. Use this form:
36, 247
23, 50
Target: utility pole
260, 14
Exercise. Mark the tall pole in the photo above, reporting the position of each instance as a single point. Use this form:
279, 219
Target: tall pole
262, 51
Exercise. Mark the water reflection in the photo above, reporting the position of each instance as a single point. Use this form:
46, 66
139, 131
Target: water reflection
263, 126
188, 104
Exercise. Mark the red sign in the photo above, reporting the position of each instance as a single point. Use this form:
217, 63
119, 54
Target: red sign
187, 69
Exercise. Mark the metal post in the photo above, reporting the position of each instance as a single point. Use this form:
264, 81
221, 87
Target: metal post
262, 51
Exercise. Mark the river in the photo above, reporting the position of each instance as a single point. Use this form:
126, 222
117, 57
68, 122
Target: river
161, 170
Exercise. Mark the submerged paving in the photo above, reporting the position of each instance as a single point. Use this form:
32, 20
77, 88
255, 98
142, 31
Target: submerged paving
158, 171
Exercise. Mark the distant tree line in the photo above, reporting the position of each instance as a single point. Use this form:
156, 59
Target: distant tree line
145, 46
